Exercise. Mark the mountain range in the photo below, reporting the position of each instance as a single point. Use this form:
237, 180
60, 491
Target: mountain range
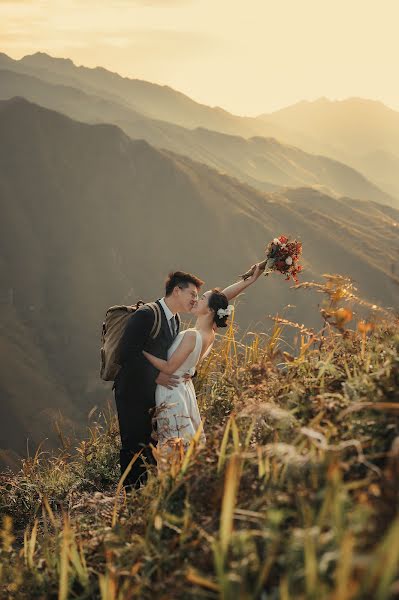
140, 109
359, 132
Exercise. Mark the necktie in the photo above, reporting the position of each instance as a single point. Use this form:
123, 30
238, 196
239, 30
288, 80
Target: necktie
173, 326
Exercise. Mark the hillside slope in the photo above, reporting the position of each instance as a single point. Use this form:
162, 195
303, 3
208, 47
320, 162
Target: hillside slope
294, 494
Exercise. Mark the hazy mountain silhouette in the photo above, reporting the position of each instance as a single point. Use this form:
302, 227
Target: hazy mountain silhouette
150, 99
348, 130
362, 133
383, 167
92, 218
262, 162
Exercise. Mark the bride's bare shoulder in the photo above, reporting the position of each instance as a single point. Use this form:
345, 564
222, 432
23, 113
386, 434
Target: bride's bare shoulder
189, 337
189, 333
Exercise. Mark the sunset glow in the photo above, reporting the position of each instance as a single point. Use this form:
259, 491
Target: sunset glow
247, 57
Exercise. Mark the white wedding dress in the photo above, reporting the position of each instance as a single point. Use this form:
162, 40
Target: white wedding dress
177, 413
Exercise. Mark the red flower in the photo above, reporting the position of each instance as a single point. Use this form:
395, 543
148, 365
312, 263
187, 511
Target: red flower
280, 264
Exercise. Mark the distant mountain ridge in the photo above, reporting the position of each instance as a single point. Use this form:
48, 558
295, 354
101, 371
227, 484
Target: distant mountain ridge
262, 162
360, 132
92, 218
150, 99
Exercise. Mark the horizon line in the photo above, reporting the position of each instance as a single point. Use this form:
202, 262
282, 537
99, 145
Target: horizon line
236, 114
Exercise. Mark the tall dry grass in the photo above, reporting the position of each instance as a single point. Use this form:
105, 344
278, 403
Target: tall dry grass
294, 496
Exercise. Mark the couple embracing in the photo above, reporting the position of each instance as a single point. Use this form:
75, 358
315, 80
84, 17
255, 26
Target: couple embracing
156, 366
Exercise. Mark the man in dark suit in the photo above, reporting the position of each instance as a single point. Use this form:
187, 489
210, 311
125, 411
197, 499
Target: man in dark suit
137, 379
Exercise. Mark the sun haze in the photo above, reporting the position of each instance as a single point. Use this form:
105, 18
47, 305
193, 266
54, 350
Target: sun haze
248, 57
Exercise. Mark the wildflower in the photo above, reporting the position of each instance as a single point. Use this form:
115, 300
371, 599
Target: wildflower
364, 327
343, 316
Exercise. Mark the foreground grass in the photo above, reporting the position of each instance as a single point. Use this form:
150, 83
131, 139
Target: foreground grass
295, 495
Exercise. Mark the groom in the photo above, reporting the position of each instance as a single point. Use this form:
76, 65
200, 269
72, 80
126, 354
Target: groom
137, 379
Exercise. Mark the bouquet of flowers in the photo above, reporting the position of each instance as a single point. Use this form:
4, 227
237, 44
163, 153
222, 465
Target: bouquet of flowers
282, 255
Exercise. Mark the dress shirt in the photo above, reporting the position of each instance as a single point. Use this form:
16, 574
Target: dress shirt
169, 315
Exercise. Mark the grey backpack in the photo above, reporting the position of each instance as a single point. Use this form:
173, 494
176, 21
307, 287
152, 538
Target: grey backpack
116, 319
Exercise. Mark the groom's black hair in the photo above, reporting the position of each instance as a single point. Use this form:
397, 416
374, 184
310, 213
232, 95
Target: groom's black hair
182, 280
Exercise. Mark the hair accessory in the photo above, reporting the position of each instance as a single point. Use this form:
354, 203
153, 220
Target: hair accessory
225, 312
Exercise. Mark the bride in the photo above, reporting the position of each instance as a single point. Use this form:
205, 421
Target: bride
177, 413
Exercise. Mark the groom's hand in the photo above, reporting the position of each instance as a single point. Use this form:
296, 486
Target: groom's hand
168, 381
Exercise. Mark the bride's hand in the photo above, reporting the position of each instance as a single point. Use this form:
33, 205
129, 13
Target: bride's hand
256, 274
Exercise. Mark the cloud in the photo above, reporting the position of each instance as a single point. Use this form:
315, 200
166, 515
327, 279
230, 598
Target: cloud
123, 49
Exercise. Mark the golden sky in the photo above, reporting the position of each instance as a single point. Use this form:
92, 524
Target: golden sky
247, 56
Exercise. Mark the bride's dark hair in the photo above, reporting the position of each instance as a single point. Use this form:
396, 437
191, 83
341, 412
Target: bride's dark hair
218, 300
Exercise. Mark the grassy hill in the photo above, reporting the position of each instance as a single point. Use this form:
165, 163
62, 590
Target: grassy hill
293, 497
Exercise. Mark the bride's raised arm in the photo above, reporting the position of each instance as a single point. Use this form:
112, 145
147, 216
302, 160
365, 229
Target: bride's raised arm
236, 288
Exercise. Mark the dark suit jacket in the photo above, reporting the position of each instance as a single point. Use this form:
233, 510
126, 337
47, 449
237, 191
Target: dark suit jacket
136, 378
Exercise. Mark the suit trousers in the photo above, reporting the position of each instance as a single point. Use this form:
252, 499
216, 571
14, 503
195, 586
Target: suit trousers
134, 407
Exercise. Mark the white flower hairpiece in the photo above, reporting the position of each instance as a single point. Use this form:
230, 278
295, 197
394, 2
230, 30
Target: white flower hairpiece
225, 312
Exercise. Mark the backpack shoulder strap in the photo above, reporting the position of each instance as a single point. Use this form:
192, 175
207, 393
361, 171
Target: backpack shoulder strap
157, 320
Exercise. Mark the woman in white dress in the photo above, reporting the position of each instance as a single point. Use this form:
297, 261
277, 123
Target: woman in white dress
177, 411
